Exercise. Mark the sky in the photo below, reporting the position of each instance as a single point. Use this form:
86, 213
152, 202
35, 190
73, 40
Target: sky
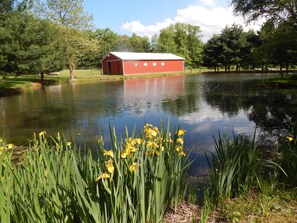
146, 18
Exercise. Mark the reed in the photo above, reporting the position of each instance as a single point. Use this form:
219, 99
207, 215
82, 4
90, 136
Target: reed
234, 167
287, 150
135, 180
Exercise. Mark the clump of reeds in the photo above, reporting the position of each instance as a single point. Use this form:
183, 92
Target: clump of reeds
57, 181
287, 159
234, 167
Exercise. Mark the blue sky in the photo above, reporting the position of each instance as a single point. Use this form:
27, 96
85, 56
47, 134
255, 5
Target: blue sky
150, 16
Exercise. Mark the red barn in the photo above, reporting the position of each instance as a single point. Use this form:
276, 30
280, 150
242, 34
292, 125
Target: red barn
141, 63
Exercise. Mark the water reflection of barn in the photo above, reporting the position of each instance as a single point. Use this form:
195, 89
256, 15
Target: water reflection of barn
141, 63
153, 89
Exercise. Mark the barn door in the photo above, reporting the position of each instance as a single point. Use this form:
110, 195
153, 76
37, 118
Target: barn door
109, 67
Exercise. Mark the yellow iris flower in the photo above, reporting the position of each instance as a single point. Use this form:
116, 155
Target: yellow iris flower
133, 167
103, 176
180, 141
180, 132
108, 153
109, 166
42, 133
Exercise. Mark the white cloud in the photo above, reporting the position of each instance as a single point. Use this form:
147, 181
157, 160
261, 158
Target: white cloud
142, 30
211, 20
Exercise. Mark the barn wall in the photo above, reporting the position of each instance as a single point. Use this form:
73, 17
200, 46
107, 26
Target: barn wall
156, 66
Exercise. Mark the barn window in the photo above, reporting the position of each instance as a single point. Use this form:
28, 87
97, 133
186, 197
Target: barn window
145, 64
135, 64
154, 64
162, 64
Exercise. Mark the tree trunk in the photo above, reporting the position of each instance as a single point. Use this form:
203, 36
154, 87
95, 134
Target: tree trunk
71, 71
42, 77
281, 69
287, 67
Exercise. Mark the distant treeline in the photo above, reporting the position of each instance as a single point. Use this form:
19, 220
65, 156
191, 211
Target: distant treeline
41, 37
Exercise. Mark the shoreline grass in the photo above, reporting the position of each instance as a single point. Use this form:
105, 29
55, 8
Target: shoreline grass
252, 183
135, 180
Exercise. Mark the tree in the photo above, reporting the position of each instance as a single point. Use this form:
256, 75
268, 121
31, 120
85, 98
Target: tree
6, 6
71, 18
139, 44
278, 10
183, 40
212, 52
88, 54
233, 41
282, 15
27, 44
166, 42
124, 44
108, 41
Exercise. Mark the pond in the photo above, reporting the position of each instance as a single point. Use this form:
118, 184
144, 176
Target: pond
202, 104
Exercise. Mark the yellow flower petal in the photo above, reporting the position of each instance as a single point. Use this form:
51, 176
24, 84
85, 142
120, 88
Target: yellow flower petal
109, 166
180, 132
42, 133
133, 167
182, 154
180, 141
108, 153
124, 154
103, 176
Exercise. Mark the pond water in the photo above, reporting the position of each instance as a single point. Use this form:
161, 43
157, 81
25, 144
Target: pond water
202, 104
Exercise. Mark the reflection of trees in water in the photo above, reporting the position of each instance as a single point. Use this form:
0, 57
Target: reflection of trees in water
269, 109
62, 108
225, 96
276, 110
186, 103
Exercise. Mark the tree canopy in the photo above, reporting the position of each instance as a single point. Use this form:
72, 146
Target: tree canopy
278, 10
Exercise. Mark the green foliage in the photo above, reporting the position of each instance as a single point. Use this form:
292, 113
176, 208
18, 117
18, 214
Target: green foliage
71, 19
183, 40
288, 155
251, 174
108, 41
230, 47
28, 45
56, 181
234, 168
277, 10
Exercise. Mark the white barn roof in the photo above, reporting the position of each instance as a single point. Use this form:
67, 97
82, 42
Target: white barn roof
146, 56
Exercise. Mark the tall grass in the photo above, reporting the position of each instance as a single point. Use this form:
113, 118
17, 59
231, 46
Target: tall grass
287, 150
240, 165
234, 167
57, 181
